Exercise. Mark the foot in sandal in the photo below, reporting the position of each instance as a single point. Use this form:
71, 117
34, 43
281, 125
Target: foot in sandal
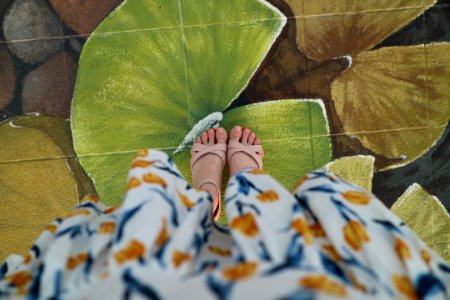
244, 150
208, 157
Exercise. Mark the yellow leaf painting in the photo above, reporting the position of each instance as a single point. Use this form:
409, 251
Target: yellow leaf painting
427, 217
36, 186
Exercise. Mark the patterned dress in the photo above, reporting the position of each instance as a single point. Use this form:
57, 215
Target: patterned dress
327, 239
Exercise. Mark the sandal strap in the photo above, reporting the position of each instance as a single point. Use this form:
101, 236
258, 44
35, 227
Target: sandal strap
198, 150
254, 151
217, 210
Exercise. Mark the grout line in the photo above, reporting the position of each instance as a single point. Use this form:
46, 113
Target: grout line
249, 22
311, 135
442, 242
186, 75
391, 9
265, 140
237, 23
82, 155
67, 81
427, 94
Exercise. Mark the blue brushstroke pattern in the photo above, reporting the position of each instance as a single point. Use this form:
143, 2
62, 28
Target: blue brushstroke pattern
324, 188
91, 206
428, 285
264, 254
36, 250
300, 294
245, 185
174, 215
344, 210
169, 170
333, 268
388, 225
35, 287
303, 200
134, 286
125, 218
58, 285
443, 267
73, 231
221, 289
3, 270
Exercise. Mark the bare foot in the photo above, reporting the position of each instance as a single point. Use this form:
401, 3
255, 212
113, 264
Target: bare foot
209, 167
242, 160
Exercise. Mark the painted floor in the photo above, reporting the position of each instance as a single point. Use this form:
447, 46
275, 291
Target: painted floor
361, 87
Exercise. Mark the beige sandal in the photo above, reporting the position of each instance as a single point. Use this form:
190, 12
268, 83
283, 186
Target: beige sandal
256, 152
198, 150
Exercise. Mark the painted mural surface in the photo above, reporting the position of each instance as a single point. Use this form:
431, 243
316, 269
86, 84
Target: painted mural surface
361, 88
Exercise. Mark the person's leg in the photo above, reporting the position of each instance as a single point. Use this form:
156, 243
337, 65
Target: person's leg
207, 168
327, 226
368, 240
259, 209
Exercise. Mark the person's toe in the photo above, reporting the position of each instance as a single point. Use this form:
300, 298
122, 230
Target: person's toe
257, 142
199, 139
236, 133
204, 137
251, 138
211, 136
221, 135
245, 135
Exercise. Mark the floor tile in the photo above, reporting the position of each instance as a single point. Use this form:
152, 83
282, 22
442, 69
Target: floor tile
30, 19
3, 8
319, 77
315, 8
437, 22
336, 35
321, 149
282, 74
33, 52
382, 90
137, 79
440, 167
403, 145
74, 45
443, 2
7, 77
293, 170
48, 88
34, 193
438, 89
132, 16
40, 80
230, 53
198, 12
81, 16
413, 33
390, 184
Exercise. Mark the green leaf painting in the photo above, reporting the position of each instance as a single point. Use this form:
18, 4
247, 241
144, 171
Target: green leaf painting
154, 69
288, 145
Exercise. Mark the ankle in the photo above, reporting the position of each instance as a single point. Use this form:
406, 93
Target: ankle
210, 188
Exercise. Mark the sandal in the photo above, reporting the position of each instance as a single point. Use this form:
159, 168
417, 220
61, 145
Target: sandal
198, 150
254, 151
